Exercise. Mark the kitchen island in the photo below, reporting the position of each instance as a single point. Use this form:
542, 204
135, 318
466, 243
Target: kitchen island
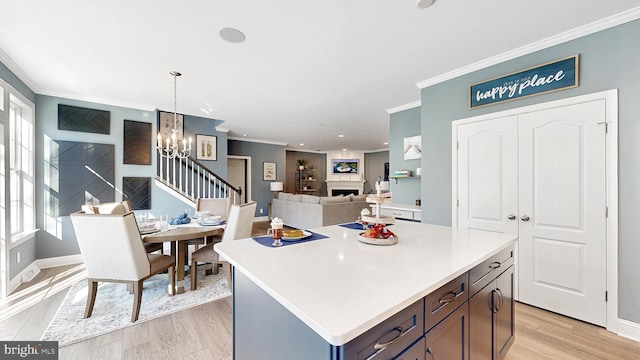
337, 298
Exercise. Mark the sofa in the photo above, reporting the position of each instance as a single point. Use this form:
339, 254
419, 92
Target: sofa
302, 211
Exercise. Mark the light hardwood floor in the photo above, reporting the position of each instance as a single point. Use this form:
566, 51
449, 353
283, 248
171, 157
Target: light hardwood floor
204, 331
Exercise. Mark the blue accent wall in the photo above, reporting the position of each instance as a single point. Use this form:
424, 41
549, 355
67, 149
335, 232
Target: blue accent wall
56, 237
259, 153
608, 60
404, 124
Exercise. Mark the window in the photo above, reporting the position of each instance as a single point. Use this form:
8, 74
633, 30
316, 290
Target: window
21, 167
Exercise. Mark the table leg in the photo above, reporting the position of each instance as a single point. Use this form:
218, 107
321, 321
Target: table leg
180, 262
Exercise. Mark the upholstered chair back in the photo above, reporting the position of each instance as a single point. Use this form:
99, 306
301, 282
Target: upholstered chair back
240, 221
217, 206
111, 246
114, 208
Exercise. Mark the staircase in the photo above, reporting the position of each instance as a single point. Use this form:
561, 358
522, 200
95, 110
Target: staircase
190, 179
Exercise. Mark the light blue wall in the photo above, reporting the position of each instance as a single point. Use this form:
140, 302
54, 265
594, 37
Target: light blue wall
259, 153
608, 60
60, 240
401, 125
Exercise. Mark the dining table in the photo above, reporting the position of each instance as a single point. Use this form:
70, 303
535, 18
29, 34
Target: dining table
178, 235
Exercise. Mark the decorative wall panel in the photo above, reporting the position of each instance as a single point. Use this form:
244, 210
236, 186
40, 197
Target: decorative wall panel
79, 172
138, 191
137, 143
74, 118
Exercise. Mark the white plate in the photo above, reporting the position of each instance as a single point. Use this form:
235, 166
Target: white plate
305, 234
149, 231
203, 223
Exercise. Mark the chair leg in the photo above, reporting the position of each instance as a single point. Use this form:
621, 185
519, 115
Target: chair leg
137, 300
92, 288
214, 268
172, 280
194, 274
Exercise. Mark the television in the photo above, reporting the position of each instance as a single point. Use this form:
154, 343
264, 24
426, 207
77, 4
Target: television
344, 166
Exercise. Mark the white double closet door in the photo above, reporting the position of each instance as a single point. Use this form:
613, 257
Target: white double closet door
541, 176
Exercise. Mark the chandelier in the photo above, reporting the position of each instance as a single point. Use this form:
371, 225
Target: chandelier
171, 149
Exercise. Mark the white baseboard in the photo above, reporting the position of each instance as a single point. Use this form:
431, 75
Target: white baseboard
260, 218
26, 275
59, 261
629, 329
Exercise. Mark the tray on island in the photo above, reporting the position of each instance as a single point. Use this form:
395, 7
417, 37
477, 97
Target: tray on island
392, 240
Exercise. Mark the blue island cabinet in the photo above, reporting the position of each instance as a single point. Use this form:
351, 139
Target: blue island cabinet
266, 330
445, 324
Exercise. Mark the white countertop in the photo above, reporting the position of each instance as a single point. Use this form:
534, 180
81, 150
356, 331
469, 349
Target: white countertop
341, 287
397, 206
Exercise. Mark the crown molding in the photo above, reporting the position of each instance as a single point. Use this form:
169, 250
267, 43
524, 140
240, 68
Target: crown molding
375, 151
599, 25
404, 107
248, 139
17, 71
222, 129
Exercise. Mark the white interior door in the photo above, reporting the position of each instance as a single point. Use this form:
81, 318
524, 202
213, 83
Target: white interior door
562, 247
237, 176
547, 168
487, 175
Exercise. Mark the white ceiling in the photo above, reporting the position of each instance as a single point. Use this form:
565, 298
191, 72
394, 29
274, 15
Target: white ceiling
307, 72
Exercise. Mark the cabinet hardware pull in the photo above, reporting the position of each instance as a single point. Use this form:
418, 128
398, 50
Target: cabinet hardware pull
511, 217
500, 299
494, 302
448, 300
430, 353
379, 346
495, 265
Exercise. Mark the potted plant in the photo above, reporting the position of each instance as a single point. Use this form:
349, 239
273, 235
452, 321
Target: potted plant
302, 163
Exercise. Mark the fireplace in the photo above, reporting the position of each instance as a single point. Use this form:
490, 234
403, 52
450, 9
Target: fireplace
345, 192
345, 187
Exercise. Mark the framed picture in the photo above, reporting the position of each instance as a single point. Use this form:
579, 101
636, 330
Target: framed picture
165, 124
413, 147
206, 147
269, 171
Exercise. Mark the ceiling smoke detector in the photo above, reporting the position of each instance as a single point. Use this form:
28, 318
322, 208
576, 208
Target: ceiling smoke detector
423, 4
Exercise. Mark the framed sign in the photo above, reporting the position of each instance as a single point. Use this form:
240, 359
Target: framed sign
206, 147
165, 124
412, 147
269, 171
553, 76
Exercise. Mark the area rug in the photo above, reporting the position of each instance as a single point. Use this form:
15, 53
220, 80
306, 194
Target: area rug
114, 304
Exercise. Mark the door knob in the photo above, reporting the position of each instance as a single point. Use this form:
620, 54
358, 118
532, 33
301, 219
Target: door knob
511, 217
525, 218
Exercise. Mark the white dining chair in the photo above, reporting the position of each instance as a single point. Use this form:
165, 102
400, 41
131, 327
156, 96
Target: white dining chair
239, 226
113, 251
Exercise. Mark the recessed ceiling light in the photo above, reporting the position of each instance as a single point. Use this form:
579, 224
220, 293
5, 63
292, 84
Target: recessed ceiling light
344, 149
232, 35
301, 144
423, 4
245, 135
385, 143
340, 135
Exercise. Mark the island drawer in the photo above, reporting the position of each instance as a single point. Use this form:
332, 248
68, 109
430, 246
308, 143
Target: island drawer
489, 269
390, 337
442, 302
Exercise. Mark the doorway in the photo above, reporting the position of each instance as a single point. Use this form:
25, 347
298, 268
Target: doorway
239, 175
545, 174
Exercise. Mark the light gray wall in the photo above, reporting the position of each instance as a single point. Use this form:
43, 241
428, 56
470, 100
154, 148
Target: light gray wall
608, 60
401, 125
374, 167
259, 153
60, 240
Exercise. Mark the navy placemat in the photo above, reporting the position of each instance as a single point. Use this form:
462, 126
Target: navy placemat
267, 240
353, 225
